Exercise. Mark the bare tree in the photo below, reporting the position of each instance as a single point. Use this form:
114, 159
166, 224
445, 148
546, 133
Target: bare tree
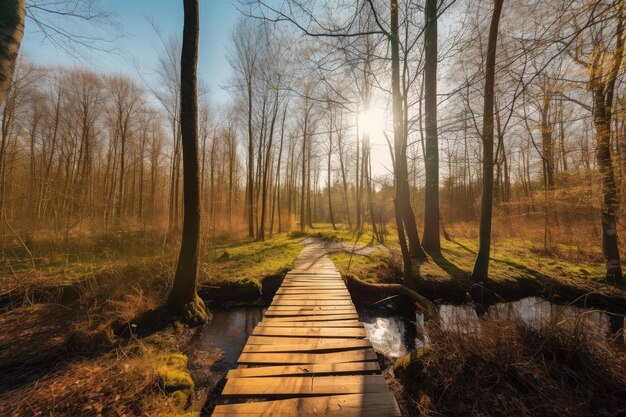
481, 265
183, 297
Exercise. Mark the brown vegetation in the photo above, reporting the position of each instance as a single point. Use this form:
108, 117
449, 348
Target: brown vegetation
511, 369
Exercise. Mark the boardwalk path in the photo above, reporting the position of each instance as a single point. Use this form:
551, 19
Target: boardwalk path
309, 356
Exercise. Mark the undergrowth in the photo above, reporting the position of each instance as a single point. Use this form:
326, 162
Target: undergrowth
510, 369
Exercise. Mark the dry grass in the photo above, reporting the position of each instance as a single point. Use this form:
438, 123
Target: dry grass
82, 334
509, 369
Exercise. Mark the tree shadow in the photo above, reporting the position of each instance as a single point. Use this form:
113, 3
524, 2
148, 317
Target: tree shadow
451, 269
462, 246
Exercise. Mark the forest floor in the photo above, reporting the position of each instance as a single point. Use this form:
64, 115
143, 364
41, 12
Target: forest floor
81, 331
517, 270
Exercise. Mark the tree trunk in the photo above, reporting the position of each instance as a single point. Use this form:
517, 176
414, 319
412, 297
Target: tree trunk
266, 168
328, 185
357, 186
481, 266
344, 180
304, 171
250, 180
12, 13
431, 240
610, 201
183, 297
402, 197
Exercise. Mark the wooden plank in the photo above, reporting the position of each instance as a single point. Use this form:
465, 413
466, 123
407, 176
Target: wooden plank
296, 313
359, 355
324, 284
327, 317
309, 332
322, 345
331, 307
316, 278
343, 290
320, 275
351, 405
314, 285
311, 369
311, 297
329, 324
273, 387
305, 302
294, 291
281, 340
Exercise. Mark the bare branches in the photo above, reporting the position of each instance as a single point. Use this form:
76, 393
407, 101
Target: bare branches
75, 26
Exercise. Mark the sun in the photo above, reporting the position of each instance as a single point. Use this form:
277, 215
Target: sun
372, 122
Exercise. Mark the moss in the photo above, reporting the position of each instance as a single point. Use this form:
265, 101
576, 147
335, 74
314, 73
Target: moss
195, 312
173, 373
242, 290
248, 262
409, 369
172, 380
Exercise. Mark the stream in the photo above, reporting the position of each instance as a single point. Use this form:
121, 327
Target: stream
394, 335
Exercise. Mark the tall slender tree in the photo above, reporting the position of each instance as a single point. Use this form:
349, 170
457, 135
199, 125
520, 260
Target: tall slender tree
430, 240
481, 265
183, 297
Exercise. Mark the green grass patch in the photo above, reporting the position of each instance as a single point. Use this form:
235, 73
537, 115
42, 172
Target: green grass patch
515, 265
249, 259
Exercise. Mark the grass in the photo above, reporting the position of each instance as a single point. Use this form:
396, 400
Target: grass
139, 379
250, 259
517, 267
109, 349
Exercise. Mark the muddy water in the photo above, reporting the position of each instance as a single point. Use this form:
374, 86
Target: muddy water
393, 335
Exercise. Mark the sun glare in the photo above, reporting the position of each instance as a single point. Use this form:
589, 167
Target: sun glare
372, 122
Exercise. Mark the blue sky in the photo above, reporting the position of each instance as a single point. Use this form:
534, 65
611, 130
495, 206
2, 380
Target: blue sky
139, 46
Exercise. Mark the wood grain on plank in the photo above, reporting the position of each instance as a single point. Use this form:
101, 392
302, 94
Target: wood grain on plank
333, 323
320, 345
360, 355
309, 332
306, 370
296, 385
352, 405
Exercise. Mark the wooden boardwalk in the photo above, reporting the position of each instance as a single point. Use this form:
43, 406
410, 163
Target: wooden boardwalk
309, 356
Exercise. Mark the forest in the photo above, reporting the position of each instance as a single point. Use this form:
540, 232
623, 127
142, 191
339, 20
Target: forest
385, 208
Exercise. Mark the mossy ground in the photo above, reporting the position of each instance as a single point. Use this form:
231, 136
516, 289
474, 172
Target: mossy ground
517, 267
249, 260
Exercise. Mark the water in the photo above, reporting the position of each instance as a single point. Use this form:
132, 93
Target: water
394, 335
228, 332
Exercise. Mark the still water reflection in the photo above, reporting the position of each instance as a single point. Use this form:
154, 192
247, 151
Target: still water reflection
393, 335
228, 333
